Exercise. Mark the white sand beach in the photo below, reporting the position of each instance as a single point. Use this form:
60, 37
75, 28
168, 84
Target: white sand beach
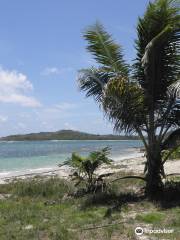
135, 165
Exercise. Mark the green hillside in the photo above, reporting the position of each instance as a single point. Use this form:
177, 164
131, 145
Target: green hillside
64, 135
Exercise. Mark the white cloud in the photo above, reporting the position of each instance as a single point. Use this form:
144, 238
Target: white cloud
3, 119
13, 86
55, 71
65, 106
60, 108
50, 70
69, 126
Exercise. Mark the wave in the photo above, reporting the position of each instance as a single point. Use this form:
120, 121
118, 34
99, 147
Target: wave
4, 174
16, 173
8, 141
131, 153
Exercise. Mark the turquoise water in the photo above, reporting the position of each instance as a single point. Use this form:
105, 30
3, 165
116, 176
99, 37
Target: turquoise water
29, 155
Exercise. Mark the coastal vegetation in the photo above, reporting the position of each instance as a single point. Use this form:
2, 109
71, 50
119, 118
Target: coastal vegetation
175, 154
85, 170
45, 209
65, 135
142, 98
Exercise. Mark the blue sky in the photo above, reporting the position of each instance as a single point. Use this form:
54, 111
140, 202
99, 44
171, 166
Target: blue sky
41, 50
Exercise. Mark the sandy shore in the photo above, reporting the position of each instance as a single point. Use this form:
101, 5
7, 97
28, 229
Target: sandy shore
135, 165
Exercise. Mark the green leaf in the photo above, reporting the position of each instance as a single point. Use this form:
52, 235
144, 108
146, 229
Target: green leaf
105, 51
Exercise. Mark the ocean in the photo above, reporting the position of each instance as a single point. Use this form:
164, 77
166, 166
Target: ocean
30, 156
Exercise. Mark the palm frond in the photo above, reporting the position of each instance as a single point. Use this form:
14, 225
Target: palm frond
173, 140
75, 161
101, 156
124, 104
93, 81
175, 89
157, 62
174, 94
105, 51
169, 108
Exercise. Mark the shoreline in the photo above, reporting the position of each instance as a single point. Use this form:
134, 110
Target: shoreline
133, 164
133, 153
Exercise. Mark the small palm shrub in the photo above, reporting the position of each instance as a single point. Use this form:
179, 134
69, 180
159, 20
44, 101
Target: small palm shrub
172, 154
84, 169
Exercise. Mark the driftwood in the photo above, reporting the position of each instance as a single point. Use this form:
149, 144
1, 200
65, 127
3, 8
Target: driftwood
136, 177
102, 226
173, 174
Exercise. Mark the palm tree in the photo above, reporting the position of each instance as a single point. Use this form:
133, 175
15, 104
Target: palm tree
143, 98
85, 168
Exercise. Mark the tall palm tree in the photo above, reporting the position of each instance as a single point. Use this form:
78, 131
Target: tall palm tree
142, 98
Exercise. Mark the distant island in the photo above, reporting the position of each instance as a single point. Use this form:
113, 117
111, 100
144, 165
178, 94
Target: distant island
65, 135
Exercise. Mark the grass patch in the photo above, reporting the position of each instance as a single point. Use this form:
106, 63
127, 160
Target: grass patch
153, 218
38, 187
44, 209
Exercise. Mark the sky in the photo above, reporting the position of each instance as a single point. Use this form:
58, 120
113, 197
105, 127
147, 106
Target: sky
41, 51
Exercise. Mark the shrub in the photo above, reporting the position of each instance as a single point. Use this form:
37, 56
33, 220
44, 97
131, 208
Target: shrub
84, 169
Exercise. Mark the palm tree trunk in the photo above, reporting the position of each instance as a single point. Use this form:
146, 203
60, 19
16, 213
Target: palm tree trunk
154, 185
